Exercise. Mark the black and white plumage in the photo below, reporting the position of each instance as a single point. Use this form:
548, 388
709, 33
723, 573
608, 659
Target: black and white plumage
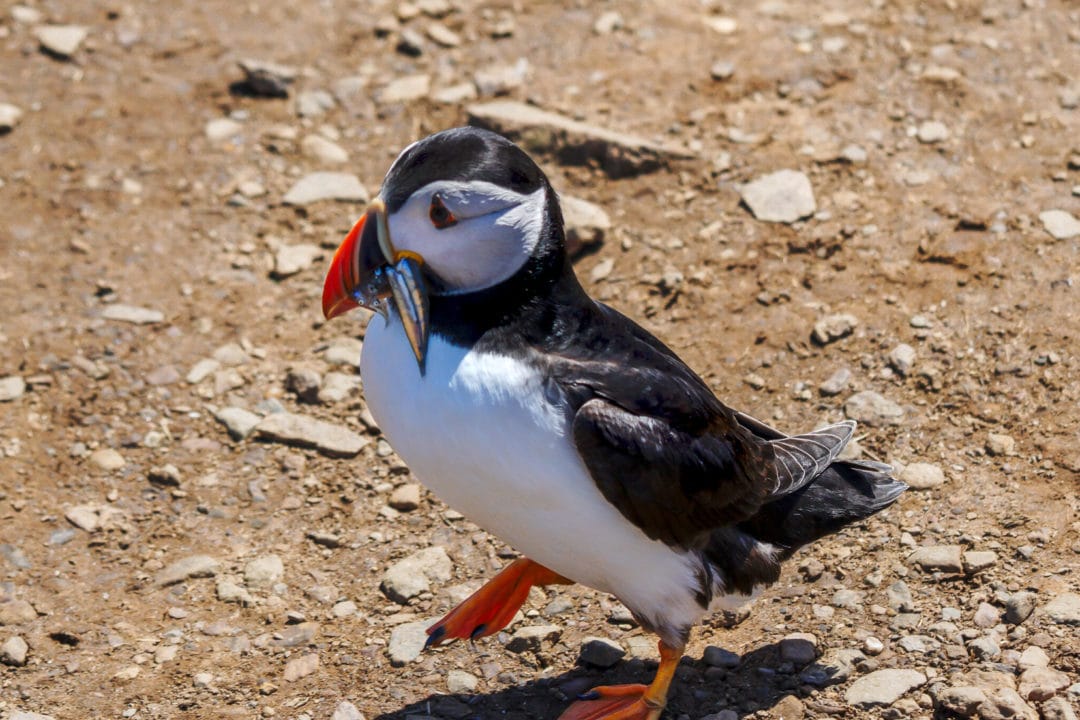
564, 428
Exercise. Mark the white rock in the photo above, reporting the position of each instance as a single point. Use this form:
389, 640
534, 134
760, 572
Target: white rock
407, 642
11, 388
408, 578
873, 409
501, 78
883, 687
13, 651
452, 94
313, 103
923, 476
337, 386
222, 129
132, 314
1060, 224
443, 35
1000, 444
193, 566
107, 459
263, 571
320, 186
10, 116
324, 150
292, 259
932, 131
343, 351
301, 667
1063, 609
61, 40
722, 24
239, 422
586, 223
902, 358
201, 370
607, 23
944, 558
330, 439
784, 196
404, 89
459, 681
834, 327
26, 15
345, 710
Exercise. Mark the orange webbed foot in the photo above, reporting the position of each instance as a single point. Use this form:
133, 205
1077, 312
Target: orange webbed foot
493, 606
614, 702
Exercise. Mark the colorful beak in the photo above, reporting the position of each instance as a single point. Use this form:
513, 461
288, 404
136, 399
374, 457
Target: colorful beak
368, 272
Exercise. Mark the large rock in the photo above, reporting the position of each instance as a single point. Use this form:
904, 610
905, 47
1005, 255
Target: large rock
329, 439
572, 142
408, 578
1041, 683
1060, 224
784, 196
883, 687
1064, 609
943, 558
407, 642
873, 409
326, 186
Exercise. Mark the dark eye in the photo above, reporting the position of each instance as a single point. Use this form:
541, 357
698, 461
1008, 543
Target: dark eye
441, 217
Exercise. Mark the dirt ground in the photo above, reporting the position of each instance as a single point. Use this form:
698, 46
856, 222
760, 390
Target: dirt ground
115, 192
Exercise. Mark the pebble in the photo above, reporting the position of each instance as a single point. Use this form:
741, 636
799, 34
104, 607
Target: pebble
301, 667
410, 43
984, 648
932, 131
883, 687
898, 597
12, 387
602, 270
1063, 609
343, 351
873, 409
586, 224
607, 23
999, 444
443, 36
165, 653
1004, 703
26, 15
222, 129
324, 150
459, 681
977, 560
1042, 683
836, 383
132, 314
17, 612
304, 383
14, 651
313, 103
263, 571
722, 70
239, 422
63, 41
600, 652
193, 566
405, 498
833, 327
231, 354
202, 680
407, 642
407, 578
963, 700
617, 154
923, 476
453, 94
902, 358
337, 387
345, 710
872, 646
1058, 708
1019, 607
164, 375
329, 439
292, 259
107, 459
319, 186
1060, 224
167, 475
848, 599
532, 637
854, 154
723, 24
267, 79
501, 78
719, 657
404, 89
1033, 657
10, 115
784, 196
987, 616
943, 558
798, 648
344, 609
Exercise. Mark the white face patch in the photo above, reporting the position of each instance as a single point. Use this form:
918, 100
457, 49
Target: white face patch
496, 232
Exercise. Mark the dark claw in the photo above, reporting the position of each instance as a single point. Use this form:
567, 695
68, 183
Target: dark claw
435, 637
591, 695
478, 631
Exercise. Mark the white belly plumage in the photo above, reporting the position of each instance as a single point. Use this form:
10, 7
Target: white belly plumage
477, 430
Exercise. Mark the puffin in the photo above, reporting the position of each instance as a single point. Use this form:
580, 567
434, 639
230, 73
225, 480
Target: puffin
560, 425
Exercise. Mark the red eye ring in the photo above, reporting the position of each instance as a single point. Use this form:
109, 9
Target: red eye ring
439, 214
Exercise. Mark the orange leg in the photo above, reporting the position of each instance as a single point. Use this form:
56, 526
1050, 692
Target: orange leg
629, 702
492, 607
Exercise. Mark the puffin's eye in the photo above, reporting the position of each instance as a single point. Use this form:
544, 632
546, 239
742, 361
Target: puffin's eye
441, 217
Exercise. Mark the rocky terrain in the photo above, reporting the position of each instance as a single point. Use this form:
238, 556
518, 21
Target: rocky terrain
837, 209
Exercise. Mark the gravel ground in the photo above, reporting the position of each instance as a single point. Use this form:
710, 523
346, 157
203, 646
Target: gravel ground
837, 209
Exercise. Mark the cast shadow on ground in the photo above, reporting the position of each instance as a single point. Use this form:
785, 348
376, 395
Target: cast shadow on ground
698, 690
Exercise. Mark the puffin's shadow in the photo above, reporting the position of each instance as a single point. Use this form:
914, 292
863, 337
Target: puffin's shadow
757, 683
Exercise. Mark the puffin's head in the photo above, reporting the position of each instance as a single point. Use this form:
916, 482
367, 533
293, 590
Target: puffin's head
460, 211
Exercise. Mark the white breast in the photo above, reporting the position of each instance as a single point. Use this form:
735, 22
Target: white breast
478, 431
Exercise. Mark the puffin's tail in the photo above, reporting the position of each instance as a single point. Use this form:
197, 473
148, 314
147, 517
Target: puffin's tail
845, 492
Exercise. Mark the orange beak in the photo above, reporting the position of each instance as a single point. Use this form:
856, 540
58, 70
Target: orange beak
343, 277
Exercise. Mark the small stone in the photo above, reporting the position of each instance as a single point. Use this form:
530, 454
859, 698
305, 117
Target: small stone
1064, 609
898, 597
1041, 683
304, 383
230, 592
984, 648
329, 439
719, 657
343, 351
602, 270
962, 700
344, 609
882, 687
1058, 708
267, 79
165, 653
61, 41
193, 566
459, 681
292, 259
923, 476
1060, 224
407, 642
978, 560
404, 89
987, 616
239, 422
324, 150
410, 43
453, 94
854, 154
314, 103
836, 383
586, 224
723, 24
201, 370
848, 599
320, 186
932, 131
1004, 703
127, 674
337, 387
202, 680
722, 70
442, 35
501, 78
799, 649
17, 612
222, 129
301, 667
13, 651
833, 327
1033, 657
11, 388
943, 558
405, 498
132, 314
25, 15
532, 637
345, 710
1019, 607
107, 459
263, 571
164, 475
10, 115
608, 23
872, 646
999, 444
600, 652
873, 409
408, 578
902, 358
784, 196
